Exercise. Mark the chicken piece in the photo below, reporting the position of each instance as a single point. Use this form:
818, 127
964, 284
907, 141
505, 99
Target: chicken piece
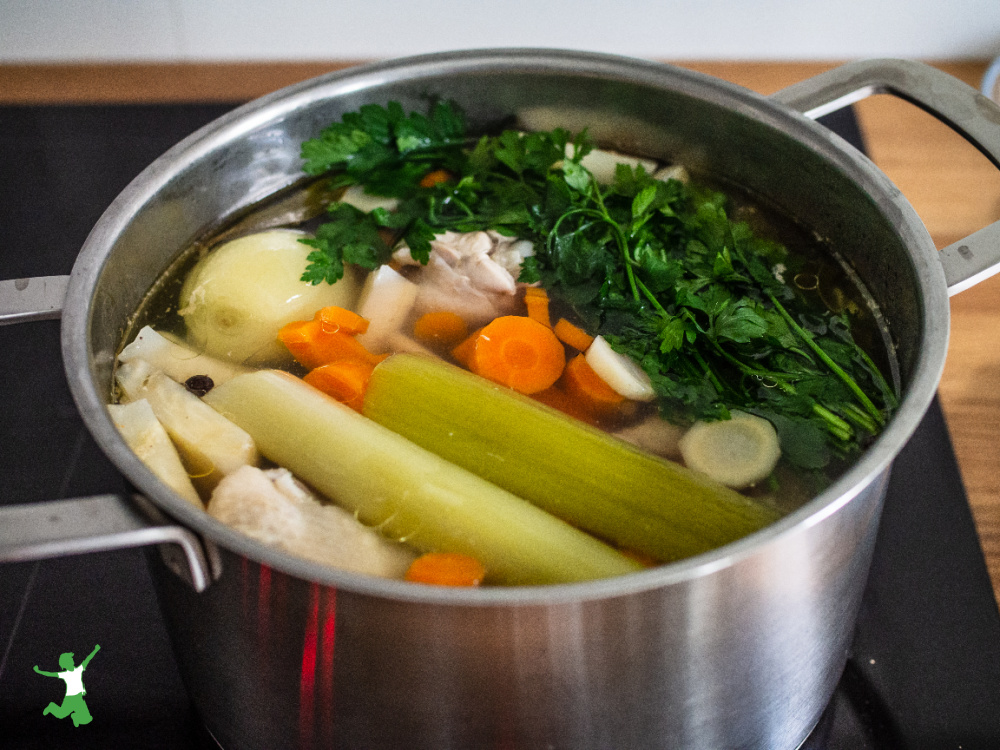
511, 254
486, 274
443, 288
451, 247
455, 247
276, 509
472, 274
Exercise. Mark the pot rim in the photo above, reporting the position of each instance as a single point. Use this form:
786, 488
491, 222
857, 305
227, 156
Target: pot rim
79, 357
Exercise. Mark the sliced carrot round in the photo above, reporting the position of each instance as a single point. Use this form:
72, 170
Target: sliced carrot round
313, 345
536, 299
436, 177
440, 329
588, 388
341, 320
572, 335
446, 569
518, 352
463, 352
345, 380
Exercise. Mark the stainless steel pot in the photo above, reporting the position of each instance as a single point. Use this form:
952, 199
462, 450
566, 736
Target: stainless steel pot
737, 648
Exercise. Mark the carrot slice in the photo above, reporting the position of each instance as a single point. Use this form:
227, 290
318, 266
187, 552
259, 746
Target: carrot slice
313, 346
573, 335
536, 300
446, 569
463, 352
518, 352
436, 177
345, 380
441, 329
588, 388
336, 319
559, 399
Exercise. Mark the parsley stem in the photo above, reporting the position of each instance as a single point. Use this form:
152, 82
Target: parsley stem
709, 372
860, 418
837, 369
652, 298
595, 189
757, 372
835, 424
888, 394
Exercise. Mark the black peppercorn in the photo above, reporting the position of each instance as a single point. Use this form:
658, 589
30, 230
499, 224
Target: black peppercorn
199, 385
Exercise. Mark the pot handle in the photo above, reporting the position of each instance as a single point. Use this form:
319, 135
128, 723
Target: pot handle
56, 528
39, 298
965, 110
35, 531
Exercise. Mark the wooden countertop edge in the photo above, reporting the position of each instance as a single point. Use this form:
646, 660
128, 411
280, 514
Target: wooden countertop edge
154, 82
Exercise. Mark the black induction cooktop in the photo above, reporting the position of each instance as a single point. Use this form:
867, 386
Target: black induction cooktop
923, 672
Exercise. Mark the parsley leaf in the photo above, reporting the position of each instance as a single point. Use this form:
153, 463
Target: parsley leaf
656, 266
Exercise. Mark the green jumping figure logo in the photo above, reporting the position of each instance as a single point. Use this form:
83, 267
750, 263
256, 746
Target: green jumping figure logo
73, 704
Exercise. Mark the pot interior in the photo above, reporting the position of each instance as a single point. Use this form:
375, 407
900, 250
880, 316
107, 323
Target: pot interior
715, 129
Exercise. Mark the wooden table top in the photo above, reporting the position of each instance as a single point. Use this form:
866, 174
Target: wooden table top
951, 185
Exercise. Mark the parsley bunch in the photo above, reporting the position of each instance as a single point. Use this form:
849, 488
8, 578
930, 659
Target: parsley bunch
655, 266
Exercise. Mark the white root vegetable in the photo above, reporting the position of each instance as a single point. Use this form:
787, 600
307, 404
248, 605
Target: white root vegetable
602, 164
673, 172
144, 434
619, 371
386, 300
356, 196
236, 299
176, 359
654, 434
737, 452
274, 508
210, 445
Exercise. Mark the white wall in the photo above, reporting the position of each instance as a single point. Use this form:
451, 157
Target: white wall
65, 30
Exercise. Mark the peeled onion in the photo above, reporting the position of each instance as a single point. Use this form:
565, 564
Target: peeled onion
236, 299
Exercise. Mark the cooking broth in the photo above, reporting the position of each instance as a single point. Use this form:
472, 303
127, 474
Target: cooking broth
822, 280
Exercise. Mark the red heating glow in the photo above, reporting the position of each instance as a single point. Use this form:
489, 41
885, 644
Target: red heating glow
307, 681
263, 603
326, 661
317, 651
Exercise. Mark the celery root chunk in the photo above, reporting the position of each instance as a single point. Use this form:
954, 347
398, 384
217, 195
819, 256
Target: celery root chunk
589, 478
408, 493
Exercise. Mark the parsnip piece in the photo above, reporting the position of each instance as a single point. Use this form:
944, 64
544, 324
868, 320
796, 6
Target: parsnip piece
176, 359
738, 452
272, 507
236, 299
386, 300
619, 371
577, 472
602, 164
144, 434
356, 196
210, 445
673, 172
405, 491
654, 434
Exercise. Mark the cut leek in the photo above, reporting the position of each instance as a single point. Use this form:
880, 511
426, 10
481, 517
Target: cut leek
589, 478
405, 491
